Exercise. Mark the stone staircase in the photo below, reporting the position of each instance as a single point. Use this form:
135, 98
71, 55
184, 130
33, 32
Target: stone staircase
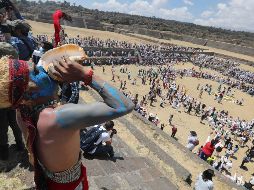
127, 171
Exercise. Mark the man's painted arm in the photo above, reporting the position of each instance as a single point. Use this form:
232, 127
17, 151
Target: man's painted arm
115, 105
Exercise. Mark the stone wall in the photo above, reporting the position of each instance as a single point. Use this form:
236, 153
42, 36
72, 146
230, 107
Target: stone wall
221, 45
76, 22
215, 44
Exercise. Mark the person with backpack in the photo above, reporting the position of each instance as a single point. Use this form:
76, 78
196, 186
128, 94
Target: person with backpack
97, 141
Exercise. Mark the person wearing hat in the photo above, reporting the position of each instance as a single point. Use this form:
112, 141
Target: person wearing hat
205, 180
21, 40
8, 116
11, 8
52, 130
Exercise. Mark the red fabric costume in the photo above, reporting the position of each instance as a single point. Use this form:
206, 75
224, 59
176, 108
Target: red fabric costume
58, 14
51, 185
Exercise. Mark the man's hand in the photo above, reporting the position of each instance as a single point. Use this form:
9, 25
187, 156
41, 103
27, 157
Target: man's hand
70, 71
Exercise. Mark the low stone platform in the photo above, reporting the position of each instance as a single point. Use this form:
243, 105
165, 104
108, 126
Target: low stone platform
126, 171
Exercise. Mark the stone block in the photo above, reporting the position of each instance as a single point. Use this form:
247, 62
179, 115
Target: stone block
109, 166
134, 179
149, 174
130, 164
161, 184
107, 182
94, 168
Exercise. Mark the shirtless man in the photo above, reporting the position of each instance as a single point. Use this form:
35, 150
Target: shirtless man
52, 130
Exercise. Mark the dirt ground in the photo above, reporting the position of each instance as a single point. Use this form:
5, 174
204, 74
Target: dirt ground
48, 29
184, 121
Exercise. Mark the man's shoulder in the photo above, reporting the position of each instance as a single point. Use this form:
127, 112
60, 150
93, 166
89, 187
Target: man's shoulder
48, 115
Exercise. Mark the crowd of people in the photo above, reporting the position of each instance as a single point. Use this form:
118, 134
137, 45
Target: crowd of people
147, 54
229, 133
225, 66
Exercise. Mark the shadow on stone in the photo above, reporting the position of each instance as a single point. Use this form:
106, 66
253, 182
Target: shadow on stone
104, 188
93, 157
15, 158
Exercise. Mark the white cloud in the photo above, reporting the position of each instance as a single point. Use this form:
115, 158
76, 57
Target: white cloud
140, 7
206, 14
236, 15
146, 8
112, 5
188, 2
181, 14
221, 6
159, 3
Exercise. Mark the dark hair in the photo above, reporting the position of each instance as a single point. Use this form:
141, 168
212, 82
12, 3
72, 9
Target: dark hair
208, 175
193, 133
5, 4
109, 124
47, 46
213, 142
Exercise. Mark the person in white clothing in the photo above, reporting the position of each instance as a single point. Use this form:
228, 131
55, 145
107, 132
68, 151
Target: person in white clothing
192, 140
104, 147
204, 180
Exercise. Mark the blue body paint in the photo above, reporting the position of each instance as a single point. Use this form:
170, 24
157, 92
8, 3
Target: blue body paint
120, 106
66, 117
46, 85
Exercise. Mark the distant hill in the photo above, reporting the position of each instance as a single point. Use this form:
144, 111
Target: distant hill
31, 9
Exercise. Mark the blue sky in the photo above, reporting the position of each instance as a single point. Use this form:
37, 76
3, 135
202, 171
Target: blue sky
229, 14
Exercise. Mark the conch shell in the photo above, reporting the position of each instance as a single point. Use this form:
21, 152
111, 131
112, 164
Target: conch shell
71, 51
